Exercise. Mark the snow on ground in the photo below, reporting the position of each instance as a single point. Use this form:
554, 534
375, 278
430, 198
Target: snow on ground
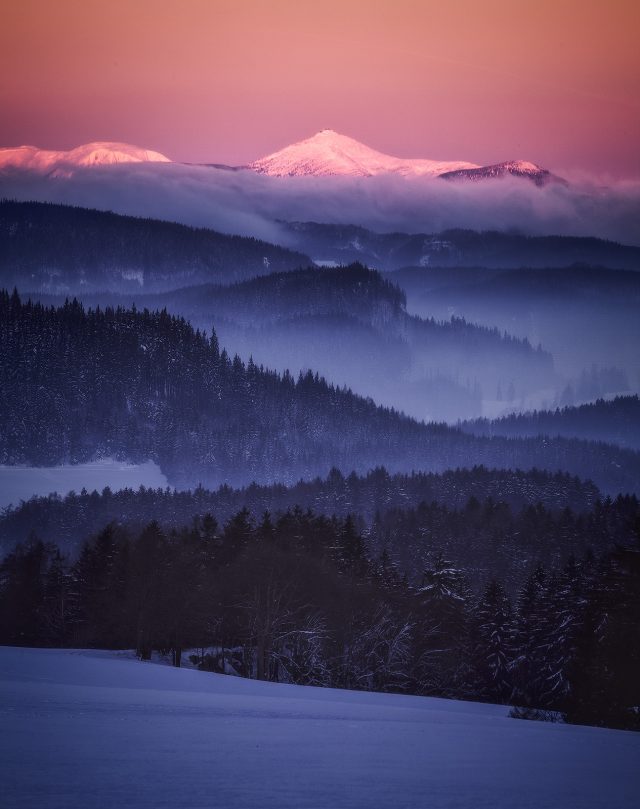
23, 482
100, 729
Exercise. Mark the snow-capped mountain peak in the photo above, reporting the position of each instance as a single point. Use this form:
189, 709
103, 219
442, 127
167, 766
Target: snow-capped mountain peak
327, 153
330, 153
515, 168
100, 153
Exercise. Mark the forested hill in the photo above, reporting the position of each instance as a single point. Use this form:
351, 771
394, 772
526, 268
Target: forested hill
351, 326
352, 290
67, 521
138, 385
616, 421
58, 248
305, 598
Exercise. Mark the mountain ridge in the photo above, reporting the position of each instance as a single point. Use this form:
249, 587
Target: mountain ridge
514, 168
326, 154
60, 248
62, 162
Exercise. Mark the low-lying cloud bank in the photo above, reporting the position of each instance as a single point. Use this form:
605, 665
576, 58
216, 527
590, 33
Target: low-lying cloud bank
246, 203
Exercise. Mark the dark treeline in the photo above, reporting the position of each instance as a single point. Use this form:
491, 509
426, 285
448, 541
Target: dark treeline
616, 421
489, 538
139, 385
67, 521
299, 599
595, 383
62, 248
354, 290
454, 248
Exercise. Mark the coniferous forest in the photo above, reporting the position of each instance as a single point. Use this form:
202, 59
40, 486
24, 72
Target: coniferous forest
319, 405
300, 599
308, 534
53, 247
138, 385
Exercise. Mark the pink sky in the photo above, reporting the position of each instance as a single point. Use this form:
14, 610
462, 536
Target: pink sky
553, 81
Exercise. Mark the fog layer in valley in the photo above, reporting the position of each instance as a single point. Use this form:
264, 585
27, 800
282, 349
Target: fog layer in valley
23, 482
247, 203
439, 344
586, 317
352, 327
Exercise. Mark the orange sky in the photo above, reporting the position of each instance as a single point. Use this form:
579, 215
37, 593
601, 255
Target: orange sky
554, 81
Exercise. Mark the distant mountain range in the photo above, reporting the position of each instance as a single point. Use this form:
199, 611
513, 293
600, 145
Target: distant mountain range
327, 153
331, 179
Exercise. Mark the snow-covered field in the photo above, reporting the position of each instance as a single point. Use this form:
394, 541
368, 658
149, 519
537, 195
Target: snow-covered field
23, 482
100, 729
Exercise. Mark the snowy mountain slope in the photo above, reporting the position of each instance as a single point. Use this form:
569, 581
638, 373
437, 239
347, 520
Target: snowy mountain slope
100, 153
98, 729
329, 153
514, 168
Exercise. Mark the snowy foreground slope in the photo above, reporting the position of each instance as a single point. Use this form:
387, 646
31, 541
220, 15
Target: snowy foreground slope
99, 729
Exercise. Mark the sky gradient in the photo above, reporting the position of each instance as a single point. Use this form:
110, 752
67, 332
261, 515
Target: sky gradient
553, 81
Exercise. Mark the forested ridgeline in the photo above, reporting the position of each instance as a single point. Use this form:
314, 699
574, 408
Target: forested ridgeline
488, 539
300, 599
60, 248
301, 302
67, 521
352, 326
353, 291
455, 248
615, 421
79, 385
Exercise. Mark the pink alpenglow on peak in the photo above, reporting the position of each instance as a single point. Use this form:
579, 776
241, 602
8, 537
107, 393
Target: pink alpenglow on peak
514, 168
101, 153
329, 153
325, 154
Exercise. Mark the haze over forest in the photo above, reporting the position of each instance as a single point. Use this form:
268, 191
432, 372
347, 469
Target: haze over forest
320, 366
